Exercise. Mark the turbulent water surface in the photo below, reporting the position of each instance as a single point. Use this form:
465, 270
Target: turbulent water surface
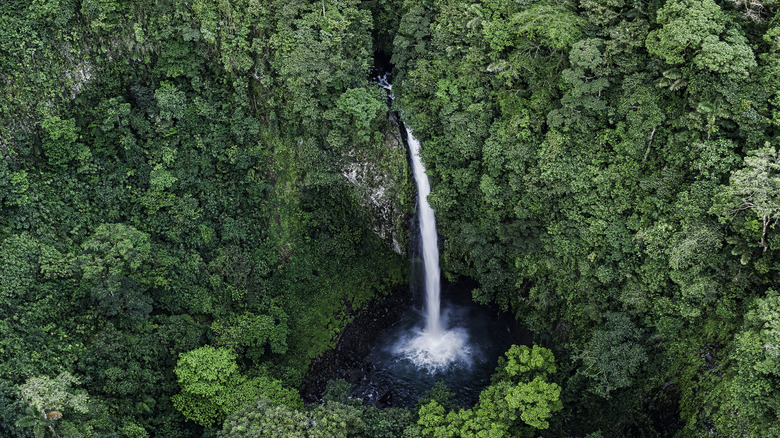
402, 373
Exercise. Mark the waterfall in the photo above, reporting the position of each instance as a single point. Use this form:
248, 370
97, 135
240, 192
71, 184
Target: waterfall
429, 239
435, 347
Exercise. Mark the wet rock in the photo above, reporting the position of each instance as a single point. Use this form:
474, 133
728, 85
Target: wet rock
347, 360
381, 180
386, 399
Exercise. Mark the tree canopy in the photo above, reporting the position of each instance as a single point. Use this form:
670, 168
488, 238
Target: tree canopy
197, 196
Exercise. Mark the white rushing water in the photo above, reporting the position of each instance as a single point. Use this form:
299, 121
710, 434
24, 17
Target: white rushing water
383, 82
434, 347
429, 238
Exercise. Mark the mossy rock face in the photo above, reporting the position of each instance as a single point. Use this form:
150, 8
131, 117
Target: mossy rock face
383, 184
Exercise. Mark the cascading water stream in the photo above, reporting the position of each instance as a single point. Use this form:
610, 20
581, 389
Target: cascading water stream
429, 238
435, 347
453, 340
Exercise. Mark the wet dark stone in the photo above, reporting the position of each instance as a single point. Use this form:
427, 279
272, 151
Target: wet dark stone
348, 360
380, 383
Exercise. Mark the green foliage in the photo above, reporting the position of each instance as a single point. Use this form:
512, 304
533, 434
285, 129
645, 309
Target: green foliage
613, 355
699, 28
550, 24
264, 418
355, 118
522, 362
385, 423
114, 250
59, 142
339, 391
110, 260
212, 388
248, 333
439, 393
361, 107
753, 189
580, 164
520, 391
171, 101
51, 400
209, 379
36, 421
330, 419
756, 403
150, 166
131, 370
177, 172
48, 395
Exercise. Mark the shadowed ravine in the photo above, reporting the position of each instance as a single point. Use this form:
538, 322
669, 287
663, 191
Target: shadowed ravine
449, 338
366, 353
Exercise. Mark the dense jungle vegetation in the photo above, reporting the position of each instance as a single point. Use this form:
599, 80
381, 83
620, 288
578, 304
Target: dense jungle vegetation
178, 239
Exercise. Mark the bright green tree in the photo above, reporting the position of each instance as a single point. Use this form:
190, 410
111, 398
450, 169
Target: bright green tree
212, 388
695, 30
520, 394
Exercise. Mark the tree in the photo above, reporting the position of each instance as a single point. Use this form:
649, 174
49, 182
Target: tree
114, 250
587, 80
110, 259
756, 385
695, 30
171, 102
355, 119
520, 394
51, 399
59, 144
212, 388
549, 23
267, 419
37, 422
613, 355
756, 189
249, 333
